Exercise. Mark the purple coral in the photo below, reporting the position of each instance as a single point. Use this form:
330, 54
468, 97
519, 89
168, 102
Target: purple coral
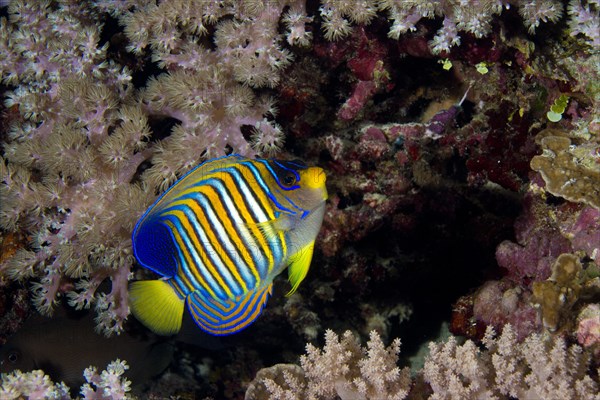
585, 19
584, 230
588, 328
498, 303
538, 244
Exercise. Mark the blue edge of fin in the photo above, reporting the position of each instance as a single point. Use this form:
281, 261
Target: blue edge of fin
227, 317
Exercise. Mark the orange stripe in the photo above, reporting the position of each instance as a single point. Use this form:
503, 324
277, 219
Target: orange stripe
252, 308
267, 205
218, 207
252, 312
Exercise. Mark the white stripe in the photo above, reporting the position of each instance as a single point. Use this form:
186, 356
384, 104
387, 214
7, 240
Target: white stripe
276, 247
247, 194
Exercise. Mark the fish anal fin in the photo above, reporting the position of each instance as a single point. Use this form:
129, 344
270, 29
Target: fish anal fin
156, 305
228, 316
299, 263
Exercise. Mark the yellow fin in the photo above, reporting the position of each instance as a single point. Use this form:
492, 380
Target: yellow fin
299, 264
156, 305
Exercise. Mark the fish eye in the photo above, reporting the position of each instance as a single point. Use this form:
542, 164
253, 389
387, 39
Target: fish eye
13, 356
288, 179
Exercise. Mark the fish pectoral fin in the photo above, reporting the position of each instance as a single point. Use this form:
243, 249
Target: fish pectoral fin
299, 263
156, 305
228, 316
272, 227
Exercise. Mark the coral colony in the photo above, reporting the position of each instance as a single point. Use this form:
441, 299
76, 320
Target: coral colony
461, 143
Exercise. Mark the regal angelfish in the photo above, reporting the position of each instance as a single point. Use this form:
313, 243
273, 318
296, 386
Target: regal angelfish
219, 236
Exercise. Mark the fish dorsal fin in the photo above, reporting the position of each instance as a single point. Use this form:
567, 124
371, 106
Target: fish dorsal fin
228, 316
299, 263
156, 305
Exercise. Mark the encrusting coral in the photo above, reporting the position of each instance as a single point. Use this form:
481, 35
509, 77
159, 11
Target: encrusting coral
557, 295
569, 165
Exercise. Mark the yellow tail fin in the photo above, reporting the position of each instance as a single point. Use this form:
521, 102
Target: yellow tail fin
156, 305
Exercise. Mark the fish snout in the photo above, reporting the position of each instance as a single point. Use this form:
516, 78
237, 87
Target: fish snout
314, 178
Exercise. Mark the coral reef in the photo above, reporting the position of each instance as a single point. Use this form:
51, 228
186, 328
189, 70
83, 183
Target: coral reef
461, 145
70, 156
569, 169
505, 369
509, 369
342, 368
546, 272
106, 385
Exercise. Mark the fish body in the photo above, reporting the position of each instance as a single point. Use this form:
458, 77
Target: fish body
219, 236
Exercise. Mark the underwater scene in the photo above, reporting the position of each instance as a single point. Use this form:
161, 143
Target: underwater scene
299, 199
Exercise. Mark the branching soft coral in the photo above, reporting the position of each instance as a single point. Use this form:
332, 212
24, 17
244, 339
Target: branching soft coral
70, 159
246, 34
69, 171
106, 385
211, 107
537, 368
474, 17
69, 187
342, 368
209, 89
585, 20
